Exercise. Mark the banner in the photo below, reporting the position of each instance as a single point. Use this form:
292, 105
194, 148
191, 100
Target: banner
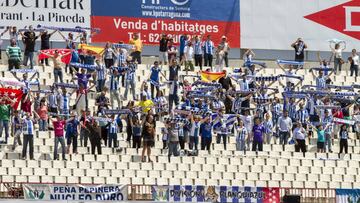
160, 193
45, 12
93, 49
66, 59
285, 21
120, 19
211, 76
75, 192
347, 195
233, 194
13, 94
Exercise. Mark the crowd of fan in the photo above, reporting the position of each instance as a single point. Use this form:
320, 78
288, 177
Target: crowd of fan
240, 104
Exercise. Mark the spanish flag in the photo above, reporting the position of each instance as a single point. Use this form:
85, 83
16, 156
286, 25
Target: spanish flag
211, 76
94, 49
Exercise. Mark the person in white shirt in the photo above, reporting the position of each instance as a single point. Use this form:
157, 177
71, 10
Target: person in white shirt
354, 67
337, 51
285, 125
188, 57
299, 134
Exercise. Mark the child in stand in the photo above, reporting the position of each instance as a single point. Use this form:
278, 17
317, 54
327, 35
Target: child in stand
164, 132
112, 132
16, 129
344, 136
268, 124
136, 132
320, 130
241, 136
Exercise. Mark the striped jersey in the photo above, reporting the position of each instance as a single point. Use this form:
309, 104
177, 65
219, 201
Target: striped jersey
241, 133
320, 83
65, 102
198, 48
52, 98
114, 82
113, 128
209, 47
328, 120
100, 72
268, 126
28, 127
302, 115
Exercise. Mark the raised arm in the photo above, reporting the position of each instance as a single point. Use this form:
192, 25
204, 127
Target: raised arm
62, 35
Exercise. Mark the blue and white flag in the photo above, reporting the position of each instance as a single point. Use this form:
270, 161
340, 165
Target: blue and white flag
84, 66
347, 195
294, 63
225, 123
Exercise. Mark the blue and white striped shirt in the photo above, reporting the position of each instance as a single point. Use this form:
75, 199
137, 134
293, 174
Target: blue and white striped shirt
209, 47
268, 126
114, 82
302, 115
28, 127
113, 128
121, 59
241, 133
198, 48
344, 135
320, 83
276, 110
130, 73
291, 107
100, 72
64, 103
52, 100
328, 120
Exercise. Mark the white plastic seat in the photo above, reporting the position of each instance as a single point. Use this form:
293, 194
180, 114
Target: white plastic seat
78, 172
104, 172
21, 179
141, 174
86, 180
73, 179
60, 179
337, 178
34, 179
53, 171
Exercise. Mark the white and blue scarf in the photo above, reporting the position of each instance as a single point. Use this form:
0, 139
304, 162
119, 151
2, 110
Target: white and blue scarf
84, 66
295, 63
63, 29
